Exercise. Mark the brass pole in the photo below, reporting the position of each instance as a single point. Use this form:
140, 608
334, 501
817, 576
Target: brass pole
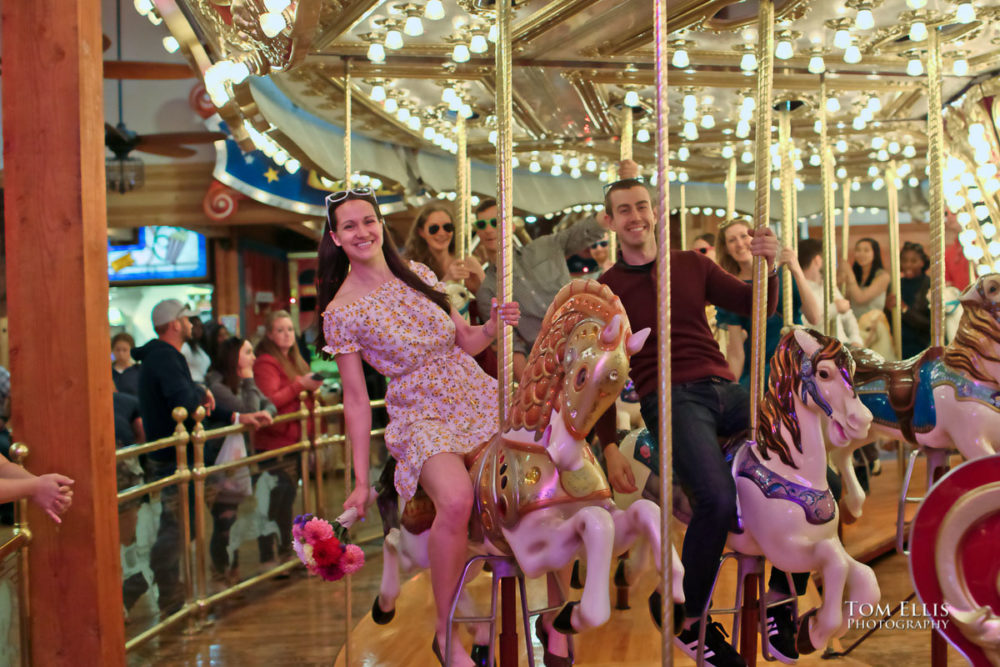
826, 172
730, 191
461, 183
347, 124
683, 214
787, 209
626, 154
762, 205
505, 202
183, 509
897, 310
200, 539
829, 269
935, 159
18, 453
318, 453
663, 327
348, 462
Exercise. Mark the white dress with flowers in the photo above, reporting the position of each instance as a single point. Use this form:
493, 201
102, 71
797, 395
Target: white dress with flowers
438, 399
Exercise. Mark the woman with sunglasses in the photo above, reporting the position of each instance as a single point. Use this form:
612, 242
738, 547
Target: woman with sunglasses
432, 242
395, 315
600, 252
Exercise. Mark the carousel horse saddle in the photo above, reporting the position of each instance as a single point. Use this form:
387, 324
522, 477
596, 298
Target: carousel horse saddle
819, 506
898, 392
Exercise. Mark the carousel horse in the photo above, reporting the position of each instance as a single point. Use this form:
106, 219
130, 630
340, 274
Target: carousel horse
944, 398
876, 334
540, 496
786, 510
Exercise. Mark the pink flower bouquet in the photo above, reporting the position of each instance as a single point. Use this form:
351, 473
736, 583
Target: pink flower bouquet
323, 549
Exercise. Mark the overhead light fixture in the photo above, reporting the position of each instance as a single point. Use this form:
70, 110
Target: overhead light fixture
841, 173
272, 23
680, 58
965, 12
858, 123
683, 153
842, 38
874, 103
143, 6
909, 151
642, 135
171, 44
914, 67
918, 31
743, 128
852, 54
393, 39
376, 52
727, 151
690, 131
631, 98
748, 63
916, 4
832, 104
478, 44
841, 146
708, 121
746, 157
292, 166
429, 133
493, 34
864, 20
556, 170
276, 5
403, 114
534, 167
413, 27
815, 159
378, 93
683, 177
784, 49
391, 105
434, 10
816, 63
878, 143
960, 66
460, 53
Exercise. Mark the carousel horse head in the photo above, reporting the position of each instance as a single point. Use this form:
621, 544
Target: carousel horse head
576, 370
876, 334
977, 340
812, 372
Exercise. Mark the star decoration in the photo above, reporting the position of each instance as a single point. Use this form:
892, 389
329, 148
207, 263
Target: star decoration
271, 175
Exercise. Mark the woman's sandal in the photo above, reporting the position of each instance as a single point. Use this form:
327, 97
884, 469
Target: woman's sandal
549, 659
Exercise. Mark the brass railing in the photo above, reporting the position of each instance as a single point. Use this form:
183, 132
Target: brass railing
311, 452
17, 546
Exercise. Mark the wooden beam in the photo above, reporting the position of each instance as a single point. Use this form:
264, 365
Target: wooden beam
53, 129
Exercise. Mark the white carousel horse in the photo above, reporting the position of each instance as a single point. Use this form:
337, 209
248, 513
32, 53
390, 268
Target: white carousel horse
794, 523
876, 334
944, 398
539, 494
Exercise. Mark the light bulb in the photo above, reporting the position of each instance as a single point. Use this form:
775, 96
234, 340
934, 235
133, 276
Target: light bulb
743, 128
818, 126
534, 167
683, 177
434, 10
878, 184
631, 99
465, 111
391, 105
913, 182
965, 13
448, 94
413, 27
683, 153
455, 104
832, 104
916, 4
493, 137
378, 93
775, 183
556, 170
855, 186
918, 31
690, 131
642, 135
690, 113
784, 50
878, 143
680, 59
171, 44
558, 158
748, 62
143, 6
841, 173
460, 54
591, 165
746, 157
842, 38
727, 151
841, 146
960, 67
292, 166
514, 162
872, 171
403, 114
882, 155
914, 67
376, 53
276, 5
815, 159
272, 23
393, 39
858, 123
429, 133
864, 20
816, 65
154, 18
575, 172
893, 147
478, 44
493, 34
708, 121
852, 55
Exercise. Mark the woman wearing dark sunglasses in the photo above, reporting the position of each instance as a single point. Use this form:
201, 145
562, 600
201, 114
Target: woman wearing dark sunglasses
432, 242
600, 252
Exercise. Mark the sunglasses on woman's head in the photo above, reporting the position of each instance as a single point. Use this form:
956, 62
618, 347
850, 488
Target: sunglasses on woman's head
704, 250
599, 244
434, 229
481, 224
335, 197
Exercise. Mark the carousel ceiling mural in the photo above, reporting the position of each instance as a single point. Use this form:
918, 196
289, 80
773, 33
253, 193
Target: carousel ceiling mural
279, 73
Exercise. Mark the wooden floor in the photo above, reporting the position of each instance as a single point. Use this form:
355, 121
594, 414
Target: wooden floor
301, 621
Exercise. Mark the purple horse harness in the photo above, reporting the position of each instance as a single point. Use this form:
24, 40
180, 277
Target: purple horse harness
819, 506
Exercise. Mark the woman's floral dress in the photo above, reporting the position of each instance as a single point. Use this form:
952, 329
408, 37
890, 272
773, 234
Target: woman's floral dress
438, 400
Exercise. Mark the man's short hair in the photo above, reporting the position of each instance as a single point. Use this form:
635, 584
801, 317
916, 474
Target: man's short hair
162, 329
485, 204
808, 250
618, 186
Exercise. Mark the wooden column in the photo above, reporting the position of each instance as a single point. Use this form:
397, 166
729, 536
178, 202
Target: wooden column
227, 281
56, 238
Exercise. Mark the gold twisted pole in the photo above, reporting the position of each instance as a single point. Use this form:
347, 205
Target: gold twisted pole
663, 341
504, 196
762, 205
347, 124
462, 185
845, 218
683, 214
897, 310
730, 191
935, 159
826, 174
787, 208
625, 154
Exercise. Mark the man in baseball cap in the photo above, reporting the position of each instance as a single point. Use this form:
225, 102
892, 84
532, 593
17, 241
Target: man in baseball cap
169, 310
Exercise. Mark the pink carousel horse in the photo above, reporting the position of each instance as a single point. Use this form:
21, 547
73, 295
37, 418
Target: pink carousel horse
540, 495
943, 398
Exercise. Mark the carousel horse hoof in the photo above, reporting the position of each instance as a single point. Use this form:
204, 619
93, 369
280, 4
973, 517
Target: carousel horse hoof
381, 617
575, 581
620, 579
564, 621
437, 651
480, 655
803, 643
656, 612
549, 659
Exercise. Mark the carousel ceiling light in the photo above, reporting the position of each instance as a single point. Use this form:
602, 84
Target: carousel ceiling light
858, 123
864, 20
455, 104
746, 157
403, 114
683, 177
960, 66
878, 143
556, 170
784, 49
816, 63
964, 219
680, 58
987, 170
751, 184
775, 183
276, 5
913, 182
391, 105
465, 111
493, 137
534, 167
170, 44
413, 27
558, 158
690, 113
434, 10
393, 39
478, 44
855, 186
872, 171
743, 128
460, 53
514, 164
798, 165
748, 63
916, 4
292, 166
642, 135
841, 146
429, 133
376, 53
893, 147
878, 184
982, 213
727, 151
671, 176
631, 98
975, 195
918, 31
832, 104
992, 185
143, 6
272, 23
591, 165
378, 93
909, 151
841, 173
815, 160
493, 34
914, 67
883, 155
800, 186
842, 38
573, 162
965, 12
708, 121
683, 153
690, 131
818, 126
852, 55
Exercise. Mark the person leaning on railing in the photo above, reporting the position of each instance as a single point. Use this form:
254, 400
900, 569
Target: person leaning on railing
231, 380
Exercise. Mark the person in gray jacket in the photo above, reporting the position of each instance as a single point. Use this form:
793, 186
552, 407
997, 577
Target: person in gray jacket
539, 271
231, 381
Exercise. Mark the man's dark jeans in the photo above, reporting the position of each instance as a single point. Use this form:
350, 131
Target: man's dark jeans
165, 557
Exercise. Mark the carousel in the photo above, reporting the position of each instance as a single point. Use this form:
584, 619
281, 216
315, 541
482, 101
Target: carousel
839, 123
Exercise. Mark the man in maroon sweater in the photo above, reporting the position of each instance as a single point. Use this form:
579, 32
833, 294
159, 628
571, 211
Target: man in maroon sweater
707, 402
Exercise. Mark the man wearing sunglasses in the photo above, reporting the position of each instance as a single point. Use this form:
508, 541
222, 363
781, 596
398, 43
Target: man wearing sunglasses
539, 271
706, 400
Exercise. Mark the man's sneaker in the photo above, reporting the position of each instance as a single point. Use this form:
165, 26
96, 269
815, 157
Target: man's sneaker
781, 633
718, 651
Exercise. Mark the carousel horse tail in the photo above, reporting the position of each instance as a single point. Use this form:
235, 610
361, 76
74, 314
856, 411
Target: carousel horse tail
388, 498
656, 612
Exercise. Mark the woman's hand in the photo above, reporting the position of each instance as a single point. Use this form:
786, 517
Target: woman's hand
788, 257
509, 313
359, 500
308, 383
620, 474
456, 272
844, 274
764, 244
54, 494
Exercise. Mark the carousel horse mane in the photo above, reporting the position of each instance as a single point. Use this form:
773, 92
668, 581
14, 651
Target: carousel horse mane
542, 381
777, 407
978, 332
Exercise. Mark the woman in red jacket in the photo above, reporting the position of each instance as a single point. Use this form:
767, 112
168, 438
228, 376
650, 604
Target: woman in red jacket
281, 374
